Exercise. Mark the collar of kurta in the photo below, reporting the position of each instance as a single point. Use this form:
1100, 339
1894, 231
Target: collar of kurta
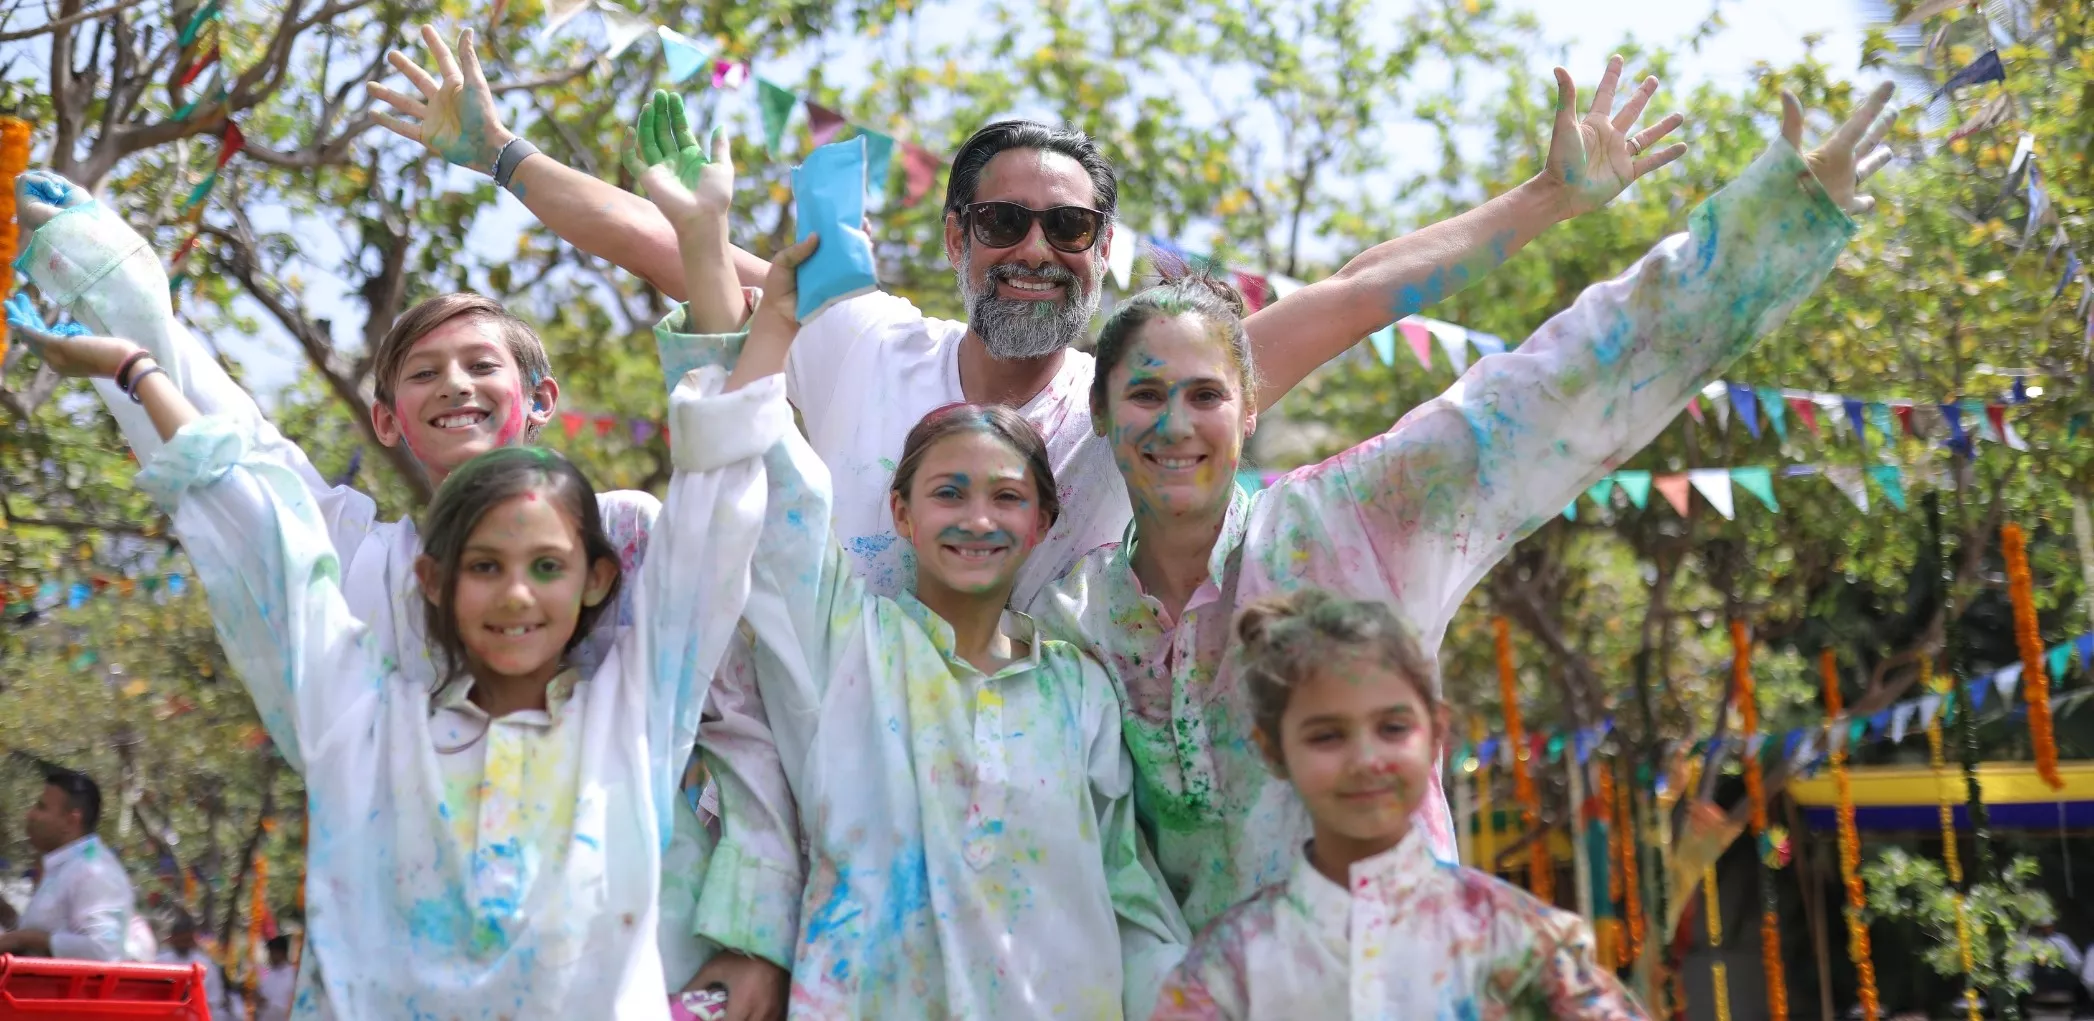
1015, 626
558, 692
1235, 521
1382, 877
86, 847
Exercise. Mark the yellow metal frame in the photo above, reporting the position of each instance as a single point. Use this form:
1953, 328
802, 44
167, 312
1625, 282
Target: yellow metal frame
2002, 783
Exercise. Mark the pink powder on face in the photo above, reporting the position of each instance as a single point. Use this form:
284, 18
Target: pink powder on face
513, 423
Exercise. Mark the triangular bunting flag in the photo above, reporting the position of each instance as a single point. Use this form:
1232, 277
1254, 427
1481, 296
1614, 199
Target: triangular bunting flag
2023, 149
1776, 408
1454, 340
1757, 481
1636, 484
1977, 691
1888, 476
1861, 431
1806, 411
1928, 706
1953, 415
823, 123
2005, 680
1119, 256
685, 57
621, 28
1996, 420
1419, 338
1714, 486
570, 423
1904, 413
1384, 343
1694, 408
1847, 479
1748, 410
1902, 721
1601, 490
2060, 660
643, 430
1674, 489
1570, 510
730, 75
1980, 423
1984, 69
1256, 293
2085, 645
920, 168
2014, 439
558, 13
604, 425
1487, 343
775, 103
879, 155
1879, 416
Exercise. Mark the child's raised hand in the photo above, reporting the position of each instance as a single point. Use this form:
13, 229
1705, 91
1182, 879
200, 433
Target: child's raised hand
781, 286
68, 349
689, 185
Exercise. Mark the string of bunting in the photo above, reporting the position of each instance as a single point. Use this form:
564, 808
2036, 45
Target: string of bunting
50, 595
201, 48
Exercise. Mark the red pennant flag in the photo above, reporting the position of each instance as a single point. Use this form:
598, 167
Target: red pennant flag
1694, 408
1806, 411
604, 424
210, 57
234, 141
1904, 413
571, 422
1420, 341
1997, 415
1256, 292
920, 166
1674, 489
187, 247
823, 123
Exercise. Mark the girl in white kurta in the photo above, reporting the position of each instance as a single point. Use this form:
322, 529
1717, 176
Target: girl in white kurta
1413, 517
490, 848
966, 798
1368, 924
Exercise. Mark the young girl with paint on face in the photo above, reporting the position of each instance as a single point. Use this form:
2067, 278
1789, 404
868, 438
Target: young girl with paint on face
1413, 517
961, 782
491, 846
1369, 924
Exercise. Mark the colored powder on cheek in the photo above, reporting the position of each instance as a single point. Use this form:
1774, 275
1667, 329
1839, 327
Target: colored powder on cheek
513, 423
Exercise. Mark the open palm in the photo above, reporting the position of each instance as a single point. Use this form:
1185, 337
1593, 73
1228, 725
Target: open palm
1597, 156
685, 181
456, 117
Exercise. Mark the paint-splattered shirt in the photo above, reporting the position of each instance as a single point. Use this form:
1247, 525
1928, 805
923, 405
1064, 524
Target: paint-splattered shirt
1417, 515
108, 277
1413, 938
461, 867
972, 846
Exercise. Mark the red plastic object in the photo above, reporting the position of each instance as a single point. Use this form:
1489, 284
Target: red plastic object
47, 989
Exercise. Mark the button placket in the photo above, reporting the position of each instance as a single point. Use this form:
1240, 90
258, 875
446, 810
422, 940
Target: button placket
985, 806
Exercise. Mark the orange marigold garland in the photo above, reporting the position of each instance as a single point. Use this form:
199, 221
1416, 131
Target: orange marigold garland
1607, 929
14, 158
1756, 795
1541, 870
1850, 843
1631, 883
2035, 685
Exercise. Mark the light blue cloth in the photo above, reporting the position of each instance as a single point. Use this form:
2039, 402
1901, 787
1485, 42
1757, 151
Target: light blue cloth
829, 199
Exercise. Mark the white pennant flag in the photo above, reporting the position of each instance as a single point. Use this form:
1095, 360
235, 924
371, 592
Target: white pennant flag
1848, 479
1836, 735
1928, 706
621, 27
1119, 257
1901, 720
1454, 340
1807, 752
2014, 439
1753, 745
1714, 486
558, 13
2005, 681
2022, 151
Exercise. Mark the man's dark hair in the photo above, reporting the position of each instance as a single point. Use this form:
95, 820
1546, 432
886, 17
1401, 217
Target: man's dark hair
985, 144
183, 922
280, 945
81, 795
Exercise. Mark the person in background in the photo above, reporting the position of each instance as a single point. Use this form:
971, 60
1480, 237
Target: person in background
273, 989
183, 950
82, 906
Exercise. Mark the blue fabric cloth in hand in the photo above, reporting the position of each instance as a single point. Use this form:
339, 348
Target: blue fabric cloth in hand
21, 313
829, 199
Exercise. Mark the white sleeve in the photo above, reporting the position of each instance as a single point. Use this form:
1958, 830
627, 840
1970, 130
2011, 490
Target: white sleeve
89, 261
98, 915
692, 586
821, 353
254, 535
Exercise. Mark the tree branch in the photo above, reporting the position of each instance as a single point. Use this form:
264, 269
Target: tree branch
67, 21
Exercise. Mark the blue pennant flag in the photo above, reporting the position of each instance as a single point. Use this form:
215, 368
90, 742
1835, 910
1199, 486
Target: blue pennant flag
2071, 271
77, 595
2021, 390
1748, 410
174, 584
1953, 415
1977, 691
1984, 69
1861, 430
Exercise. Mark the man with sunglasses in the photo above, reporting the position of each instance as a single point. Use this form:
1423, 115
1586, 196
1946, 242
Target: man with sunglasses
82, 906
1029, 212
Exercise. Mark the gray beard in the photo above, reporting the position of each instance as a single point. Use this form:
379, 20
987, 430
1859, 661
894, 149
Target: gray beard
1013, 329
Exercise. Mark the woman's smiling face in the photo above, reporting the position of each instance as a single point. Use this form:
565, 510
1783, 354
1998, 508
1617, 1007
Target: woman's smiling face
1178, 417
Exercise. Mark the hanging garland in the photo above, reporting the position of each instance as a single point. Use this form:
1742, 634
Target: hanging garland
2035, 684
1631, 883
1486, 816
1949, 854
1541, 871
14, 158
1719, 977
1850, 840
1756, 794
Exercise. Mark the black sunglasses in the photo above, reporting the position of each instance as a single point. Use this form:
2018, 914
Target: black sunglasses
1071, 229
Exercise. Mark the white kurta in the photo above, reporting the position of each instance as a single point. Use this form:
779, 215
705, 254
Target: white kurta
1416, 516
971, 839
83, 899
90, 262
460, 867
1413, 938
